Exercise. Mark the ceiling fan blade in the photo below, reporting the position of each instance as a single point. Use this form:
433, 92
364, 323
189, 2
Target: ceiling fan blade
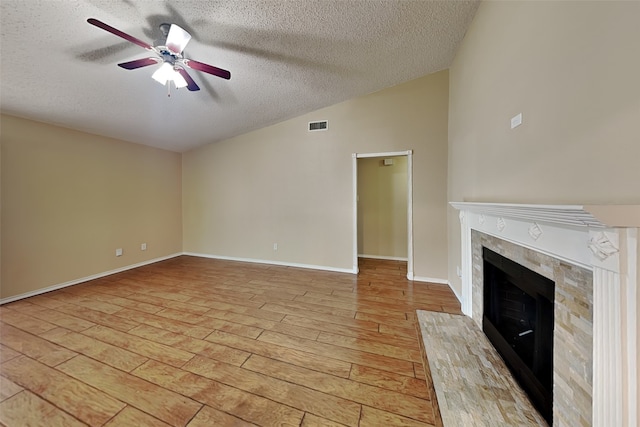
191, 85
119, 33
177, 39
207, 68
138, 63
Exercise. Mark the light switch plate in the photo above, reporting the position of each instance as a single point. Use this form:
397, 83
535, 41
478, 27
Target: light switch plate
516, 121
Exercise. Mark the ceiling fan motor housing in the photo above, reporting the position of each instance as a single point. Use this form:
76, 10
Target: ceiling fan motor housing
167, 55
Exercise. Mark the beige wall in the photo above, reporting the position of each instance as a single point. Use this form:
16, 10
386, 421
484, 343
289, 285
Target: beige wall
382, 207
284, 185
69, 199
572, 69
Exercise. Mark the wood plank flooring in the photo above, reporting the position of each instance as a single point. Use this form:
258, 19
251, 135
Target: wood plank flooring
200, 342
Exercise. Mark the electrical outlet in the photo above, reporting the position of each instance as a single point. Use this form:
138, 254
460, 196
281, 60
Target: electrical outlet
119, 252
459, 271
275, 246
143, 247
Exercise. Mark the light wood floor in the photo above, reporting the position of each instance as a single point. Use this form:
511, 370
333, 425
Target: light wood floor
201, 342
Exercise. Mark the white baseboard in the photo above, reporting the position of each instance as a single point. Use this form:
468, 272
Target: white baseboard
388, 258
220, 257
430, 280
456, 294
438, 281
85, 279
270, 262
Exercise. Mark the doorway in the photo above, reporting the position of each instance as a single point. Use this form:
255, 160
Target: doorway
382, 229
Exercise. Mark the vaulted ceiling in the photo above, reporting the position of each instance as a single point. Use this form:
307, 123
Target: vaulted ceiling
286, 58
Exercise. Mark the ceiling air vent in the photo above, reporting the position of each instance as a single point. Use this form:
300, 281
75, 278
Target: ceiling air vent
321, 125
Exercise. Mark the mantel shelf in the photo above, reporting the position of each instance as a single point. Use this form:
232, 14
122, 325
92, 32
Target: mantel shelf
596, 216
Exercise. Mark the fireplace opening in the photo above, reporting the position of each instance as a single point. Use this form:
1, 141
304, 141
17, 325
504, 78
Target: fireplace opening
518, 320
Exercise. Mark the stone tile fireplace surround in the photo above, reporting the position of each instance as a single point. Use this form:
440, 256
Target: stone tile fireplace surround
591, 252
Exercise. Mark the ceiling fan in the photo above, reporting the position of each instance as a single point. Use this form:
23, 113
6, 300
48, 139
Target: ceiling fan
174, 64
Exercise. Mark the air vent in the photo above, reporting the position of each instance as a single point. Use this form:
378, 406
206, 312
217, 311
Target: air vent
321, 125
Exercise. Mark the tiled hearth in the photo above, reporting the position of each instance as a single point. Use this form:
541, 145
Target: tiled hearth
591, 253
472, 384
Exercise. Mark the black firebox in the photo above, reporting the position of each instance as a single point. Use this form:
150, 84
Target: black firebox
518, 320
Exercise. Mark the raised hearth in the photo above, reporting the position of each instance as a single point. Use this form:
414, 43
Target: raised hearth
472, 384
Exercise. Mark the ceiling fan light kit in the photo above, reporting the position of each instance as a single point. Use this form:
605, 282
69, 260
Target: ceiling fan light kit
174, 64
166, 73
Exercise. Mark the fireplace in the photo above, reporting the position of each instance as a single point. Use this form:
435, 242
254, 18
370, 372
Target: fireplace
572, 307
592, 253
518, 320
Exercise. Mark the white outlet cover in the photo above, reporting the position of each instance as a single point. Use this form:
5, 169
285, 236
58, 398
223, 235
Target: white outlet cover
516, 121
143, 247
118, 252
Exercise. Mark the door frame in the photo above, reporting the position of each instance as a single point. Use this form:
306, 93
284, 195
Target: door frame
409, 154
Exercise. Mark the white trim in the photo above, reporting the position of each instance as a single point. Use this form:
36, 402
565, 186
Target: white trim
608, 357
410, 275
388, 258
385, 154
556, 239
553, 254
85, 279
269, 262
439, 282
431, 280
595, 216
466, 266
354, 168
631, 282
409, 154
458, 295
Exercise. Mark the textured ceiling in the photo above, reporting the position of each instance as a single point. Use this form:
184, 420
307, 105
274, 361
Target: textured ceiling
286, 58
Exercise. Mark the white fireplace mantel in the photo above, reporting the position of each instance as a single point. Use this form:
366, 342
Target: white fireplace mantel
601, 238
597, 216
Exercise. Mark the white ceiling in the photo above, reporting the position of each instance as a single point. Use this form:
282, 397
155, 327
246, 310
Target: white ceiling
286, 58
